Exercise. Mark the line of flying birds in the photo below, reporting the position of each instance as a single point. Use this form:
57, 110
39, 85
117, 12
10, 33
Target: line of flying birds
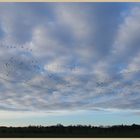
16, 47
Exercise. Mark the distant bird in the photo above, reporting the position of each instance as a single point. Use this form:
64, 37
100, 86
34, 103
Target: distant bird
6, 64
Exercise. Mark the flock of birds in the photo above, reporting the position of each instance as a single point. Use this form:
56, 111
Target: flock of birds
15, 65
20, 66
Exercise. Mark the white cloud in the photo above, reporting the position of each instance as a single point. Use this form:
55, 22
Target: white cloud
127, 41
75, 18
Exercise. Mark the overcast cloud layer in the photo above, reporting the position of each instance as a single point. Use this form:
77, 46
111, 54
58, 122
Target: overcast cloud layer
69, 56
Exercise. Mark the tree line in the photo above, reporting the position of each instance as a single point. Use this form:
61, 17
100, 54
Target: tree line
71, 131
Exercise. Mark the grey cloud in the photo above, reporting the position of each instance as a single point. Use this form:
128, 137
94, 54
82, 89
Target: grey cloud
78, 68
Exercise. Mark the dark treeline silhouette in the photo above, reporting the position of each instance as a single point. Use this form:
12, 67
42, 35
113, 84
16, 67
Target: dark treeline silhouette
72, 131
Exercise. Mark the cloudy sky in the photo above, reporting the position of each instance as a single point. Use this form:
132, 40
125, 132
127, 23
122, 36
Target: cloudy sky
69, 63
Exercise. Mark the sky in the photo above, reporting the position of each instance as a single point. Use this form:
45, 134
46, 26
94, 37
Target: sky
69, 63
